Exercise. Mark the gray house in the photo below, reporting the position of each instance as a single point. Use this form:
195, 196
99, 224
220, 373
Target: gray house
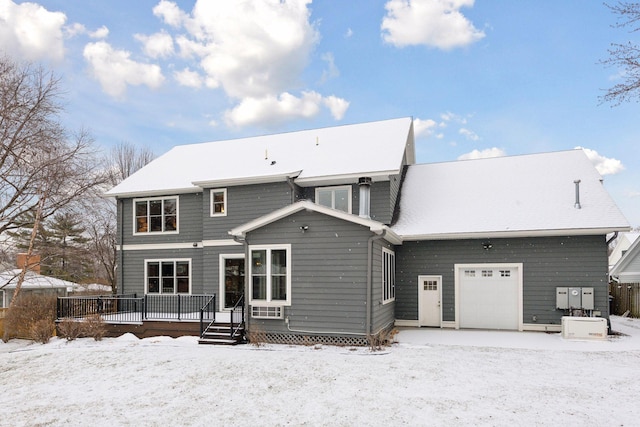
337, 233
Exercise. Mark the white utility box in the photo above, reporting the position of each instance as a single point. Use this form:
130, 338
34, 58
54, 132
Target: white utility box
584, 328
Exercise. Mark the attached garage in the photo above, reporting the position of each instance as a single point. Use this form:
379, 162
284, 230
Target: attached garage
488, 296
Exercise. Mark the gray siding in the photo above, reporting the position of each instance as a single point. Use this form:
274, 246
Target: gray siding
133, 268
244, 204
189, 222
548, 262
329, 263
383, 315
211, 267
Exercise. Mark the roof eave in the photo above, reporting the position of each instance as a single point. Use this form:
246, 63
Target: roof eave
246, 180
511, 234
152, 193
377, 176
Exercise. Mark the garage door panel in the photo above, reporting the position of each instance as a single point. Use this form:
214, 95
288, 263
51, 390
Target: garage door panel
489, 297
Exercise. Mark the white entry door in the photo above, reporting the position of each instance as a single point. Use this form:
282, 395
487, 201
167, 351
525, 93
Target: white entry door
429, 300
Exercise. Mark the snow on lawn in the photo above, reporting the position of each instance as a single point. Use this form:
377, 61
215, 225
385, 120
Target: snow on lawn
430, 377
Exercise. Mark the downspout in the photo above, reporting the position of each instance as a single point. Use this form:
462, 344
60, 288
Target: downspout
370, 278
120, 266
243, 241
293, 189
614, 237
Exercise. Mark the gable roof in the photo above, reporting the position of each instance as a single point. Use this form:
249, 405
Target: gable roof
326, 156
517, 196
374, 226
625, 240
32, 280
629, 264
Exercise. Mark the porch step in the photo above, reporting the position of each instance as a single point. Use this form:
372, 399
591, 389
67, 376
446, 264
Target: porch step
220, 334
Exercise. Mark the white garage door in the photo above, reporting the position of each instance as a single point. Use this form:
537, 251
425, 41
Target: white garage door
489, 296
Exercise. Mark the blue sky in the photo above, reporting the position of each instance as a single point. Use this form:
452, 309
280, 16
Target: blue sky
481, 78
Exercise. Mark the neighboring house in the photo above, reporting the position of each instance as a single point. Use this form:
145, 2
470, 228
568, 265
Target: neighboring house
337, 232
627, 269
625, 240
34, 283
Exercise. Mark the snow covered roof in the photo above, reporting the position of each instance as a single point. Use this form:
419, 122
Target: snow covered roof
33, 280
513, 196
627, 269
327, 156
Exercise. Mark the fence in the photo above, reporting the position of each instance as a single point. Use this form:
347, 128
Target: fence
133, 309
625, 297
3, 312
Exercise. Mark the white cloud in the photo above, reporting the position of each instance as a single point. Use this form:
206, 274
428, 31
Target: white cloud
170, 13
100, 33
424, 127
29, 31
604, 165
115, 70
349, 33
470, 135
483, 154
331, 71
188, 78
337, 106
435, 23
270, 110
158, 45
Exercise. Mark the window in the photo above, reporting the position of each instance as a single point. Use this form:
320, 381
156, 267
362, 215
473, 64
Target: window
469, 273
271, 274
219, 202
335, 197
487, 273
158, 215
388, 276
168, 276
505, 273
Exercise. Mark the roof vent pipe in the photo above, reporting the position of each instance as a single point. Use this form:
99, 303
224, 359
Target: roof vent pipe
365, 197
577, 205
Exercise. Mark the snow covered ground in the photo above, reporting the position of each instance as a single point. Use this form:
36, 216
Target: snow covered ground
430, 377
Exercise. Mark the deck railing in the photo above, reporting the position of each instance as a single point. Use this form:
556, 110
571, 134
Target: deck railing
133, 309
205, 315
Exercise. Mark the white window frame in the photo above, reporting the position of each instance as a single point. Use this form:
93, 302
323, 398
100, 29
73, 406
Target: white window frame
211, 202
161, 260
333, 195
221, 277
148, 232
388, 276
269, 302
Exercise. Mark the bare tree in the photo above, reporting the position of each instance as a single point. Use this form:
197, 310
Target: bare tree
625, 56
43, 168
125, 159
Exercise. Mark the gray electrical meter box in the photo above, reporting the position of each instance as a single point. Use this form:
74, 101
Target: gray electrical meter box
587, 298
575, 298
562, 298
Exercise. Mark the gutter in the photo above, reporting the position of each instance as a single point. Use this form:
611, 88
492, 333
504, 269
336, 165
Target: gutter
614, 237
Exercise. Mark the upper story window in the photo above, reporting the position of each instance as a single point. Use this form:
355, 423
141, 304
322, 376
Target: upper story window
335, 197
157, 215
219, 202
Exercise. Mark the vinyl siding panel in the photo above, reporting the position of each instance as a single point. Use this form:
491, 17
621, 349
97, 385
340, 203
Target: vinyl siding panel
329, 263
189, 222
244, 204
133, 268
548, 262
383, 315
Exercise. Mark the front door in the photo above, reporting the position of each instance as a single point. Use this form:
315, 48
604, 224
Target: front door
233, 279
429, 300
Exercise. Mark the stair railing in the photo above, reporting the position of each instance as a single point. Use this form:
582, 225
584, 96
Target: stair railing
236, 317
209, 307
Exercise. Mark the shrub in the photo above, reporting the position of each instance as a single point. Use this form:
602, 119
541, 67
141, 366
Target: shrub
94, 327
29, 315
384, 338
69, 329
257, 336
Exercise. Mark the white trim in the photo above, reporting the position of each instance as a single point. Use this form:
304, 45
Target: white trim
249, 180
448, 324
161, 260
389, 274
221, 276
221, 242
158, 246
249, 274
406, 323
458, 267
332, 190
421, 302
152, 193
509, 233
378, 176
224, 202
155, 233
541, 327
